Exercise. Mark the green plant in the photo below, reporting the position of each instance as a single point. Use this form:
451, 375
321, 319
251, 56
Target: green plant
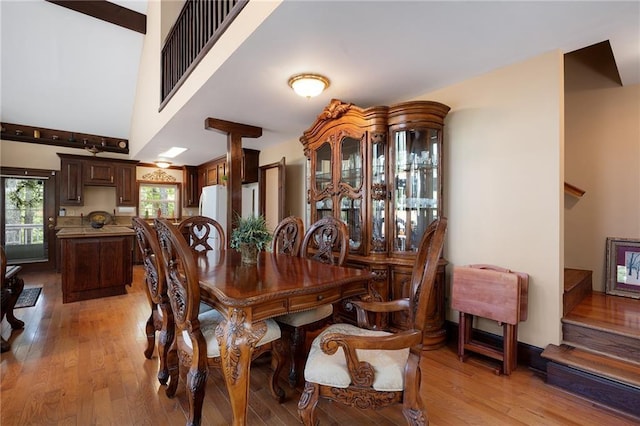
250, 230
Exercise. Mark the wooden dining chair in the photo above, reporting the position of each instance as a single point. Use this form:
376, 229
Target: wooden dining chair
326, 241
161, 318
287, 237
203, 233
376, 368
195, 345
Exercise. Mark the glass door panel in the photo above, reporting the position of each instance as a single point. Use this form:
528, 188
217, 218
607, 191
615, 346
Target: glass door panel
324, 168
24, 219
416, 186
351, 214
378, 196
351, 163
324, 208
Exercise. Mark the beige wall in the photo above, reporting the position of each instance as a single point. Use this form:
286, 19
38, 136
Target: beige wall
602, 158
503, 182
295, 181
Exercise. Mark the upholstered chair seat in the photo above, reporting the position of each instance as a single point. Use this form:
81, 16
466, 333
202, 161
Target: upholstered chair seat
210, 319
368, 368
332, 370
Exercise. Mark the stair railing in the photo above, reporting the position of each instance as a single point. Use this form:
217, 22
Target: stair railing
198, 27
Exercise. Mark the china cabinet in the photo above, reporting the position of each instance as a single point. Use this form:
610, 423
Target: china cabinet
379, 169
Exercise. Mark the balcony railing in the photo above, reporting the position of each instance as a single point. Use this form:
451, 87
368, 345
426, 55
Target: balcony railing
199, 26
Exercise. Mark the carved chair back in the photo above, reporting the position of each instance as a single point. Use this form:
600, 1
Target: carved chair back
287, 237
151, 260
424, 272
202, 232
181, 274
326, 241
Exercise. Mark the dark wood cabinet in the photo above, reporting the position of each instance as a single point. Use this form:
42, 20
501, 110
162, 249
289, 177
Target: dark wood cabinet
76, 171
71, 182
97, 172
190, 186
379, 170
214, 171
126, 189
95, 267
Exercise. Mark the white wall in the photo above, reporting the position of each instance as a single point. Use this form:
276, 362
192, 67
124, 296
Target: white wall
602, 158
147, 120
503, 182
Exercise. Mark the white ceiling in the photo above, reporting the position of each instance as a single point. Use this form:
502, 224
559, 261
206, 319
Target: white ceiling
64, 70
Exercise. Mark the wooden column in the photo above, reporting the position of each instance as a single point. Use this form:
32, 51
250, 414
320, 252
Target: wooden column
235, 132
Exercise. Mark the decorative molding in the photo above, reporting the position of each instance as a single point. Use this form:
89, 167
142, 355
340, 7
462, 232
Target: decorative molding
158, 176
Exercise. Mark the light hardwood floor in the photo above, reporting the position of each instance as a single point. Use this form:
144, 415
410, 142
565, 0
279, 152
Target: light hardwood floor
82, 364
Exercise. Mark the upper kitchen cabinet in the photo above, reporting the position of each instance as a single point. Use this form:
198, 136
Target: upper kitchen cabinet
76, 171
71, 181
213, 172
99, 172
126, 190
190, 186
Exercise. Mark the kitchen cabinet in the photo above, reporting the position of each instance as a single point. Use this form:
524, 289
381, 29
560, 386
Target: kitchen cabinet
190, 186
379, 170
95, 263
126, 189
99, 173
77, 171
71, 182
213, 172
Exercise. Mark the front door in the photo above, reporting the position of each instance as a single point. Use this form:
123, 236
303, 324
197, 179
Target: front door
29, 217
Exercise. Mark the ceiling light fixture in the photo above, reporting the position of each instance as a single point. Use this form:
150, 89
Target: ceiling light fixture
308, 85
163, 164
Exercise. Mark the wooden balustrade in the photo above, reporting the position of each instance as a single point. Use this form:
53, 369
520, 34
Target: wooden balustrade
199, 25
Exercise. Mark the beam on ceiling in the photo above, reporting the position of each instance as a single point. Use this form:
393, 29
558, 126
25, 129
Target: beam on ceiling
107, 11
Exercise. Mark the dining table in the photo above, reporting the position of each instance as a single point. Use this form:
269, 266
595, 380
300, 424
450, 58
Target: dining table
248, 294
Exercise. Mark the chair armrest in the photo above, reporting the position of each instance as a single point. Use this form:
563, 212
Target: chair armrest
363, 307
361, 372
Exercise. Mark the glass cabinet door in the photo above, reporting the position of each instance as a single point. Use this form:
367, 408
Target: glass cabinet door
324, 170
351, 162
350, 185
417, 185
378, 197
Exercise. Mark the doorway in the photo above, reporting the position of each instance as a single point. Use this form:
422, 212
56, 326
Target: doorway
28, 217
271, 187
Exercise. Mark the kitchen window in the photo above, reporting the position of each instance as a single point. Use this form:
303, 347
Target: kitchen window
159, 199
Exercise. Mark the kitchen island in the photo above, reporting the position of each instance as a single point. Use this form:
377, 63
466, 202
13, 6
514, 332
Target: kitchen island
95, 262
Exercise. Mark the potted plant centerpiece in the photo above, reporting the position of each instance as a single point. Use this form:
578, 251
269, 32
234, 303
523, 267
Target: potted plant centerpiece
249, 237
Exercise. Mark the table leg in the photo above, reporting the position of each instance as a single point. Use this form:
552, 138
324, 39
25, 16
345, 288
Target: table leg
237, 338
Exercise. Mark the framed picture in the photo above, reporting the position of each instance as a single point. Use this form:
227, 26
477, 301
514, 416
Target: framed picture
623, 267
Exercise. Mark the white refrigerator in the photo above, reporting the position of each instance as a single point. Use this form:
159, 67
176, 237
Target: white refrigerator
213, 202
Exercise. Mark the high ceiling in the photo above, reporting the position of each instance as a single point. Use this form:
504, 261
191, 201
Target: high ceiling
65, 70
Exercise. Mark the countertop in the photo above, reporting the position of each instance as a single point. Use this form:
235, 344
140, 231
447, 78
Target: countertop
89, 232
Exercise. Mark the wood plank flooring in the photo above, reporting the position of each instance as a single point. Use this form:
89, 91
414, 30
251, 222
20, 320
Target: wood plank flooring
82, 364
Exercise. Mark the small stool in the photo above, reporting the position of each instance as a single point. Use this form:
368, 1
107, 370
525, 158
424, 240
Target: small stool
495, 293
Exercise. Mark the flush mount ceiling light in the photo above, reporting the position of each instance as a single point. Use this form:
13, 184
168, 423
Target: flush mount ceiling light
163, 164
308, 85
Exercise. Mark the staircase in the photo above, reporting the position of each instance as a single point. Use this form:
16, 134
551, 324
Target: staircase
599, 358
